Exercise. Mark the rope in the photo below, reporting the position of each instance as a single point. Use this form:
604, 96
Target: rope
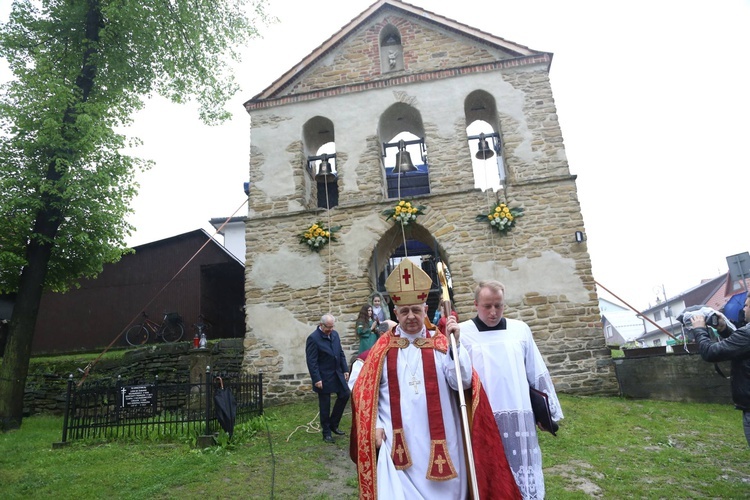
403, 231
330, 253
311, 427
153, 298
489, 207
273, 458
636, 311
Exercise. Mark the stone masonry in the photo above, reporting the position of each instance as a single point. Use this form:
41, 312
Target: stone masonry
547, 274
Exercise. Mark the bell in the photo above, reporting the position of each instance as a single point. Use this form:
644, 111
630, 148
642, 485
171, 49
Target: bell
403, 160
403, 163
324, 170
484, 151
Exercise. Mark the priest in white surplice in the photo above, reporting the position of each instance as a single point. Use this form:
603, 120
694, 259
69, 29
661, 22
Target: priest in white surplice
508, 361
407, 431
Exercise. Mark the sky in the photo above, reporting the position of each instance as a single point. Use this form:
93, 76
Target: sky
652, 99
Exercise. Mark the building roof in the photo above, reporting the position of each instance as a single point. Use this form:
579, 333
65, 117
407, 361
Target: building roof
627, 323
609, 306
277, 87
696, 295
185, 236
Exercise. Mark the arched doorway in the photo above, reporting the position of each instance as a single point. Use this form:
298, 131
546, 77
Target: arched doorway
420, 246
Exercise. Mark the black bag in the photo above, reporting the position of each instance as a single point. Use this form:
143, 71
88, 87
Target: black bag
542, 414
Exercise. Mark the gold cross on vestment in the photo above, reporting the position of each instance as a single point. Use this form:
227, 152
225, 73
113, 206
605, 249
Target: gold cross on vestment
400, 453
440, 461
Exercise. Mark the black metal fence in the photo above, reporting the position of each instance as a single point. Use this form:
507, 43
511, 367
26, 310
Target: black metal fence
102, 410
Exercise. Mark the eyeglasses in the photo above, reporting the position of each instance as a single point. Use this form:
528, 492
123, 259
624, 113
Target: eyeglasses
327, 327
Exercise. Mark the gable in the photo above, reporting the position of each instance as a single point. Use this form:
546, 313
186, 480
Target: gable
428, 42
625, 323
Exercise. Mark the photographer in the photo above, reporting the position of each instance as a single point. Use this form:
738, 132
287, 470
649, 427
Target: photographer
734, 346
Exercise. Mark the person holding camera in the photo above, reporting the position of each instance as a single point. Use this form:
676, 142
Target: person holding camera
734, 346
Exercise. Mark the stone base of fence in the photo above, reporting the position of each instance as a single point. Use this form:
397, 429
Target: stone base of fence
47, 381
669, 377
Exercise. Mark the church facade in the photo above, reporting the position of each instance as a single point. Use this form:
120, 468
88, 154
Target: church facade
405, 105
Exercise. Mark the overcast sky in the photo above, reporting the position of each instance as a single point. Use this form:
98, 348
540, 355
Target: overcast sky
652, 98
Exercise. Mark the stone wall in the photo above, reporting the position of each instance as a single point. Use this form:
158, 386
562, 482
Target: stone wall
673, 377
47, 381
670, 377
425, 48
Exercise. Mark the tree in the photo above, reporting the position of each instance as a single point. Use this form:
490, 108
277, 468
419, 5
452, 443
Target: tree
81, 68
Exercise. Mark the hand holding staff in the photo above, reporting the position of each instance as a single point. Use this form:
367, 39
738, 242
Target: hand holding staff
451, 329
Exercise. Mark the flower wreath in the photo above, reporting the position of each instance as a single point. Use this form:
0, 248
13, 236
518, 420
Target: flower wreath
404, 212
318, 235
501, 217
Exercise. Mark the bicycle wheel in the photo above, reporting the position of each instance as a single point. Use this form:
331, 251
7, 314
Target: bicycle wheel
172, 332
137, 335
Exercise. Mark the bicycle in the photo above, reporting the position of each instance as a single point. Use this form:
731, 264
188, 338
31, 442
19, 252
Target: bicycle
170, 330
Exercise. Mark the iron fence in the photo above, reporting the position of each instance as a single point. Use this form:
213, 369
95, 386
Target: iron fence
102, 410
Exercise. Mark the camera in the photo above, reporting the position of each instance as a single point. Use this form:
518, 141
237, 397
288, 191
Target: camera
712, 320
686, 318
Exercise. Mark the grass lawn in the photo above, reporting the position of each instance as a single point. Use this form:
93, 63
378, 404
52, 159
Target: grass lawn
606, 448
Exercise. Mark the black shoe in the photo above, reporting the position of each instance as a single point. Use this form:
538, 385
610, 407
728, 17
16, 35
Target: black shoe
328, 439
338, 432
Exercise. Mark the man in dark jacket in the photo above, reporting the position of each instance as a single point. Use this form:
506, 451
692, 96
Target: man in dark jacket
734, 347
329, 373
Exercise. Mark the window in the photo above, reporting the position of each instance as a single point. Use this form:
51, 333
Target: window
657, 315
657, 342
609, 332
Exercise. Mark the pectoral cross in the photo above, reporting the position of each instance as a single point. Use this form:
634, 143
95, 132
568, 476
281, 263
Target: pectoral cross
414, 382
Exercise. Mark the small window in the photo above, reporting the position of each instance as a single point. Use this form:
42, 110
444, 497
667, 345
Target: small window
657, 315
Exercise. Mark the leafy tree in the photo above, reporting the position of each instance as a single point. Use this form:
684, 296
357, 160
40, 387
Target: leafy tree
81, 68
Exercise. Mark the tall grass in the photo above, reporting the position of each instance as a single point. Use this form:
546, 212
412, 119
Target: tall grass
606, 448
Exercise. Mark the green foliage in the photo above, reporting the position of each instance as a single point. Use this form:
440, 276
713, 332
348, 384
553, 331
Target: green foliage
606, 448
80, 70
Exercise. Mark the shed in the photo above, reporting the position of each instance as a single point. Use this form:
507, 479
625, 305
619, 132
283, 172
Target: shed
190, 273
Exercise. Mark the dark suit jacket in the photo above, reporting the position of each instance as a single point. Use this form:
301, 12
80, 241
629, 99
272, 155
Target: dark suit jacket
326, 362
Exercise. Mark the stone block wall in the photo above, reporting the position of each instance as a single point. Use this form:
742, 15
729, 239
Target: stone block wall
47, 381
425, 48
547, 274
673, 377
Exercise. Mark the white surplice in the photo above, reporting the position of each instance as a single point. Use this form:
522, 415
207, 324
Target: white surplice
412, 483
508, 362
